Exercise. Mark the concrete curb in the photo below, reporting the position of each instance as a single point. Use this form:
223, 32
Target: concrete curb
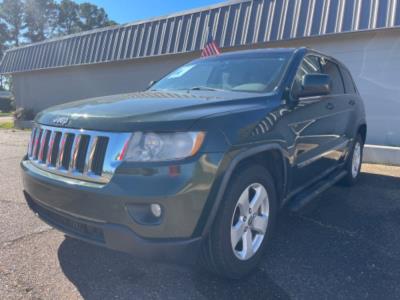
382, 155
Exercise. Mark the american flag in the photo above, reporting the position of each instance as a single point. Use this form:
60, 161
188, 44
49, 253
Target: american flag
211, 48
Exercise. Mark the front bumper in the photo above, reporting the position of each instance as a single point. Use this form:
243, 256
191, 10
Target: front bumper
102, 214
118, 237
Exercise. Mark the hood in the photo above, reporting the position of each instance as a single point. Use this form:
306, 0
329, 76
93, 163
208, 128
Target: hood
144, 110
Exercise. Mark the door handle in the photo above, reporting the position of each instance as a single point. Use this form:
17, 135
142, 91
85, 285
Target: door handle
330, 106
352, 102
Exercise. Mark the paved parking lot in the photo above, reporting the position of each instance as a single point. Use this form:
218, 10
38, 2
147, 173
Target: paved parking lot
348, 247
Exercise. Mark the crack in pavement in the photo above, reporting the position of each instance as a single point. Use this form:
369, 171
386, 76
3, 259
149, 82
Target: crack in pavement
14, 145
12, 157
352, 234
13, 202
327, 226
13, 241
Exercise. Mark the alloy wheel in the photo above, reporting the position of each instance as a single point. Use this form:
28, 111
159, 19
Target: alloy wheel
249, 221
356, 160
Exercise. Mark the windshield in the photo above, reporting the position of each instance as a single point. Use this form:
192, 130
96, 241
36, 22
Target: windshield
258, 73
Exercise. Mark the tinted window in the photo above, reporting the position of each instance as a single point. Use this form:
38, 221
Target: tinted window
309, 65
332, 70
348, 82
256, 73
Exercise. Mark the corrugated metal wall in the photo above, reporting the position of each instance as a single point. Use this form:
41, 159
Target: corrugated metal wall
234, 24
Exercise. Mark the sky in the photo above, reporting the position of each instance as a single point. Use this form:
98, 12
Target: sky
124, 11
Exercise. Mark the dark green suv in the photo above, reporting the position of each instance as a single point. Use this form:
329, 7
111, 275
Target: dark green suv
197, 166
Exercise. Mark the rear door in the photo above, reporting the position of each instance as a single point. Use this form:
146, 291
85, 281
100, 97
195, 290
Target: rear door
343, 101
350, 102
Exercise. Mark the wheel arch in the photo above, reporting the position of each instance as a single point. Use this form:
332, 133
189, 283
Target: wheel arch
362, 129
272, 156
273, 161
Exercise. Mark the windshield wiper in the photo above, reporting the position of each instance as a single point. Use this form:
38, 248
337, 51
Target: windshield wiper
205, 88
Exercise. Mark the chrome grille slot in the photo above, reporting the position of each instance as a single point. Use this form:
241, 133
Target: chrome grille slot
99, 154
31, 141
79, 154
55, 149
36, 147
69, 140
45, 147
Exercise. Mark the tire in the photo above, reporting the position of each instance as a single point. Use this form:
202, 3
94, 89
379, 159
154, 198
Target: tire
354, 162
232, 221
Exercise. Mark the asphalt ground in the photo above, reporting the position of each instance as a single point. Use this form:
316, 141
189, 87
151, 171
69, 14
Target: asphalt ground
347, 247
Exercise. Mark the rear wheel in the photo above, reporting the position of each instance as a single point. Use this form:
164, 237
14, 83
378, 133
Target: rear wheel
353, 165
243, 224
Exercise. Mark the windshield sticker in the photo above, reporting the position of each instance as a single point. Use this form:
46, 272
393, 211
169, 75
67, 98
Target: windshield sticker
181, 71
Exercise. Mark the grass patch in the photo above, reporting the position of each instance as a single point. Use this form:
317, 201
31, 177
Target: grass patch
7, 125
5, 114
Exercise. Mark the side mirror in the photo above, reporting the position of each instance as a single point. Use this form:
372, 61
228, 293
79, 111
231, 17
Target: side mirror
151, 83
315, 85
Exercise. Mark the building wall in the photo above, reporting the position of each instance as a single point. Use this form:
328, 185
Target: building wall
40, 89
372, 57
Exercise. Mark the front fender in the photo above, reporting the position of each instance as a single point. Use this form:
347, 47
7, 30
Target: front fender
227, 167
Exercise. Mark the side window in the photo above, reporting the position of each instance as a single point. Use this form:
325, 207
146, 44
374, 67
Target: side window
309, 65
348, 82
332, 70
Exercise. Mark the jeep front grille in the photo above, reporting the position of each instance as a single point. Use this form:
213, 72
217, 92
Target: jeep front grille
76, 153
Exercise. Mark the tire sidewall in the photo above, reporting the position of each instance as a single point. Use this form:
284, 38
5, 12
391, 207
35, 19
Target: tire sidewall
240, 181
350, 179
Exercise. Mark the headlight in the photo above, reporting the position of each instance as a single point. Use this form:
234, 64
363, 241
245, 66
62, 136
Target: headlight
162, 146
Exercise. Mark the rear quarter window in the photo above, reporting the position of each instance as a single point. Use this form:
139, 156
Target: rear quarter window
348, 82
332, 69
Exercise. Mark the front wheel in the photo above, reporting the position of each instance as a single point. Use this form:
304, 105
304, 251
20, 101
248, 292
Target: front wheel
243, 224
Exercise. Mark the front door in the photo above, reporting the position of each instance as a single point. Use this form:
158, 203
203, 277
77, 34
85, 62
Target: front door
318, 141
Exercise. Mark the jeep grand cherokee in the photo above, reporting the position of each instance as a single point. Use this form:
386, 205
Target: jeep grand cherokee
198, 165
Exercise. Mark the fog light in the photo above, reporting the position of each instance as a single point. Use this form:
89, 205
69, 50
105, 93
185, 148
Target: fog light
155, 210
